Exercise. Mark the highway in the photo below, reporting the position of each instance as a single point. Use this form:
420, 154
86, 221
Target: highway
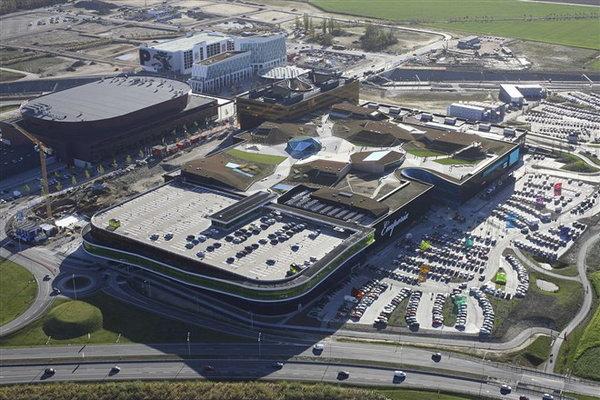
397, 357
243, 369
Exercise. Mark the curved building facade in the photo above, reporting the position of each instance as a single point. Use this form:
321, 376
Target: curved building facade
98, 119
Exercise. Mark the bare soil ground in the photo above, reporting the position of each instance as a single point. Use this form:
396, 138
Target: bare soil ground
134, 32
550, 56
111, 50
228, 9
56, 40
273, 17
424, 100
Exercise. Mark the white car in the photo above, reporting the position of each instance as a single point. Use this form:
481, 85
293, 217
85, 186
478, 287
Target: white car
399, 375
319, 346
505, 389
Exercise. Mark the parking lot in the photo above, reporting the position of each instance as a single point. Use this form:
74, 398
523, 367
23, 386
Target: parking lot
573, 117
174, 217
455, 258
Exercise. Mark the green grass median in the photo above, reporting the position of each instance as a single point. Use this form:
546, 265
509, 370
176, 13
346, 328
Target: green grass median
18, 290
107, 320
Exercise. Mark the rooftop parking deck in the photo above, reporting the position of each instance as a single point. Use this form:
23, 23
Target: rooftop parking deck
175, 218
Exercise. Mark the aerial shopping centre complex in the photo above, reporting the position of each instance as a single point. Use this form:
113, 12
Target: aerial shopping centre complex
305, 190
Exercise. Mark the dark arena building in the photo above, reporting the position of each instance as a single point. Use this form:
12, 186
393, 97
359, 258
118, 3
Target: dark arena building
109, 116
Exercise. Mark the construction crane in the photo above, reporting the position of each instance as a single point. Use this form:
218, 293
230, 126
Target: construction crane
42, 149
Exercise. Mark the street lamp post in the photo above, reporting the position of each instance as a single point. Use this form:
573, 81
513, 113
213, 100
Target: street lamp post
74, 285
188, 345
259, 336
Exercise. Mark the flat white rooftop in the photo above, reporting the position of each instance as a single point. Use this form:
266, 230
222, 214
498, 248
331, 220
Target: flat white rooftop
187, 43
182, 210
376, 155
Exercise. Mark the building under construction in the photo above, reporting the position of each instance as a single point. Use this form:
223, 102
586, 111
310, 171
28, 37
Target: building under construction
291, 99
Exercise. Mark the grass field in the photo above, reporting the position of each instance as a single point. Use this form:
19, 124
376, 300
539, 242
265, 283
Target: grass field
580, 354
72, 319
8, 107
538, 351
18, 289
9, 76
594, 65
133, 324
538, 308
574, 163
37, 65
455, 161
587, 354
569, 33
593, 257
254, 157
511, 18
205, 390
424, 152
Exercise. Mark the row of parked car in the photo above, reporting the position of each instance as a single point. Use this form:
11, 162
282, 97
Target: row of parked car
461, 310
488, 311
522, 275
370, 292
585, 204
437, 317
411, 309
389, 308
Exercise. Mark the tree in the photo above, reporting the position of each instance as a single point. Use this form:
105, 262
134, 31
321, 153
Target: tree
73, 180
58, 187
311, 28
331, 26
100, 169
128, 159
324, 26
306, 22
87, 174
297, 23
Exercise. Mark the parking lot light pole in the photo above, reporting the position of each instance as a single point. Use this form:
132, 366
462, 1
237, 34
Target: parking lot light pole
188, 345
259, 335
74, 285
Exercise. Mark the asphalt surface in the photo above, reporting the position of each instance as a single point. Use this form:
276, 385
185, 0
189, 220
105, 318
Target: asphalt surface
240, 369
398, 357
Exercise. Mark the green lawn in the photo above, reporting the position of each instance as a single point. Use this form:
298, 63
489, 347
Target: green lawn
206, 390
580, 353
577, 33
574, 163
448, 313
553, 309
133, 324
538, 351
509, 18
9, 76
594, 65
587, 354
257, 158
18, 289
405, 394
455, 161
424, 152
593, 258
8, 107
